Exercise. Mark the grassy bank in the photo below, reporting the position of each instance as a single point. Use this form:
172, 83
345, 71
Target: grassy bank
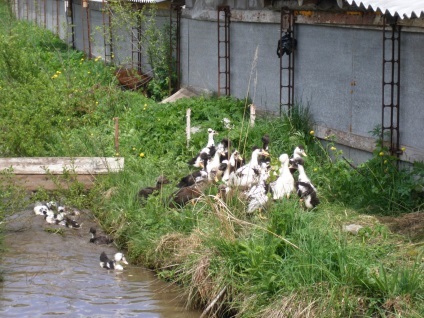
56, 102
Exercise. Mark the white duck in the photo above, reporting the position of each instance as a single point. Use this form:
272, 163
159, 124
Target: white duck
231, 165
248, 175
214, 164
284, 186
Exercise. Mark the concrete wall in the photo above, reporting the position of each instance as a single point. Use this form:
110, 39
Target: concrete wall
338, 69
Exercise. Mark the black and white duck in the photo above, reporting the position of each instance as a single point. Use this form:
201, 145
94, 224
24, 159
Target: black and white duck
99, 239
40, 209
210, 146
232, 165
284, 186
148, 191
106, 262
257, 194
305, 189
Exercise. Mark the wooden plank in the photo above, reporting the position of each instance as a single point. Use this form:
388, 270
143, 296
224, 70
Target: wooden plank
57, 165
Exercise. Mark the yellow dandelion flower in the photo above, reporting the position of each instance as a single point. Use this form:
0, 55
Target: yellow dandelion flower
133, 148
312, 132
88, 72
97, 103
403, 148
96, 59
82, 59
68, 119
333, 148
99, 57
142, 155
117, 154
381, 154
315, 169
385, 161
112, 56
145, 105
144, 108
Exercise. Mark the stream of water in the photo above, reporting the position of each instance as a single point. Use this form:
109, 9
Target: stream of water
48, 274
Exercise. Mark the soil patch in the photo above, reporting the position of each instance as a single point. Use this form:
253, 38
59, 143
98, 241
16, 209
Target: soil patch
408, 224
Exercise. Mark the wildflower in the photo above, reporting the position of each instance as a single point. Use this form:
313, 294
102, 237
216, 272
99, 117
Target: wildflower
99, 57
141, 155
97, 103
381, 154
96, 59
88, 72
145, 105
58, 72
112, 56
315, 169
117, 154
68, 119
144, 108
312, 132
385, 161
54, 76
92, 134
133, 148
80, 63
403, 148
82, 59
333, 148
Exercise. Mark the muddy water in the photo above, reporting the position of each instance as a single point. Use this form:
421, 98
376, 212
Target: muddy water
47, 274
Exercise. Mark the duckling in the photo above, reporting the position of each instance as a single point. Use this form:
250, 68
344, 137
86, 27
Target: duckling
232, 165
248, 175
195, 176
106, 262
257, 194
197, 160
184, 195
284, 185
146, 192
40, 209
99, 239
305, 189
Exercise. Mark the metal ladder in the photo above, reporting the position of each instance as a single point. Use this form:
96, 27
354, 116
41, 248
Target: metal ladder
391, 87
286, 64
224, 83
136, 48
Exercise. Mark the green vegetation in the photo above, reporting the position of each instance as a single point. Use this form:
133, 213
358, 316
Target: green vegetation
56, 102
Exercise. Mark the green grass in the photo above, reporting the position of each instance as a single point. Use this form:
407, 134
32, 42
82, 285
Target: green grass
291, 264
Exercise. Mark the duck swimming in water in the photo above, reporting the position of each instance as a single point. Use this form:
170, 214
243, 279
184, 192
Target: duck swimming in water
99, 239
106, 262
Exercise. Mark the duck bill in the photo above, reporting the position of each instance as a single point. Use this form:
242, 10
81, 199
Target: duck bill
265, 153
304, 154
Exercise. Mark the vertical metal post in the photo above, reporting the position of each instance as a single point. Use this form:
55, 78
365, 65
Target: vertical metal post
45, 13
287, 63
391, 87
87, 12
107, 30
175, 47
57, 17
224, 70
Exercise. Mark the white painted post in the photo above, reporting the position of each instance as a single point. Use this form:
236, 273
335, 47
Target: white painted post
252, 115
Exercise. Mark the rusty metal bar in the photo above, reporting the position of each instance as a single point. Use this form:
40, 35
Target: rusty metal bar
27, 9
136, 44
286, 63
57, 17
107, 30
82, 3
391, 87
87, 12
175, 47
45, 13
224, 70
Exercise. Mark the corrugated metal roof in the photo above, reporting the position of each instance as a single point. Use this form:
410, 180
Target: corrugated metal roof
401, 8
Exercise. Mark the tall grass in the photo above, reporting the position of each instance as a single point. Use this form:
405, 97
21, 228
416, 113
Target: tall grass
292, 264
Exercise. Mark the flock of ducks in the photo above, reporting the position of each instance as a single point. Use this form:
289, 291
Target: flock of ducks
54, 213
216, 163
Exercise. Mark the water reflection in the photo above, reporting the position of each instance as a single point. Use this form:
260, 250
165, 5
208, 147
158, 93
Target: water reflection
47, 274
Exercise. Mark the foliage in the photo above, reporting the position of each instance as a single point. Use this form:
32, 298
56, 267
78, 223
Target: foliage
56, 102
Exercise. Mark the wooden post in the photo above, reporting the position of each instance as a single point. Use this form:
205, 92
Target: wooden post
188, 126
252, 115
116, 119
